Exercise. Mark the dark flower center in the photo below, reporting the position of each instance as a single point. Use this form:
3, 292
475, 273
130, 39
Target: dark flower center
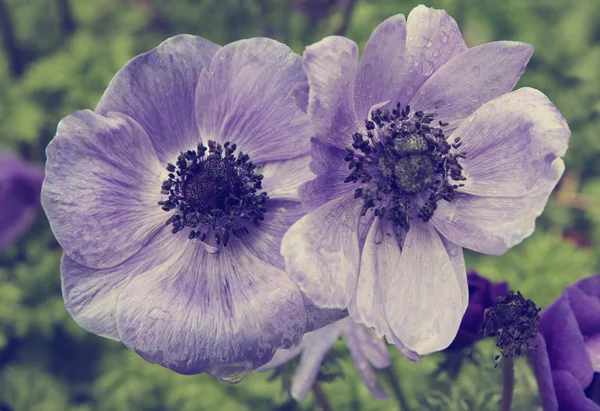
513, 320
403, 165
214, 194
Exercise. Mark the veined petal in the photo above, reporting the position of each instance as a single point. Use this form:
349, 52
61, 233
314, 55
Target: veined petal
102, 188
157, 89
247, 96
222, 314
471, 79
433, 39
331, 67
380, 72
513, 145
321, 252
428, 303
491, 225
543, 372
282, 179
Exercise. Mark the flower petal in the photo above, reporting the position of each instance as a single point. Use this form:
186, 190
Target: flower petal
592, 346
586, 310
380, 69
570, 394
316, 346
20, 186
331, 170
564, 342
374, 349
543, 372
513, 145
281, 357
321, 252
282, 179
102, 188
471, 79
90, 294
331, 67
247, 97
370, 379
379, 259
433, 39
490, 225
157, 89
429, 300
222, 314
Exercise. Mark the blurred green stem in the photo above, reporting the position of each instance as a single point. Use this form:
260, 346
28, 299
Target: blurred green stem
461, 11
348, 10
508, 383
396, 389
321, 398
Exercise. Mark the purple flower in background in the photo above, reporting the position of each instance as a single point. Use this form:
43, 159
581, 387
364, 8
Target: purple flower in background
20, 186
398, 193
170, 201
366, 349
483, 293
566, 352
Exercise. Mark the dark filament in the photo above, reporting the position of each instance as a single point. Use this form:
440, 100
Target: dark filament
402, 156
214, 193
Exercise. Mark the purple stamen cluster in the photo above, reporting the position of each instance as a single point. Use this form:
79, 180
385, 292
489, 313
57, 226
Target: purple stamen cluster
403, 156
215, 193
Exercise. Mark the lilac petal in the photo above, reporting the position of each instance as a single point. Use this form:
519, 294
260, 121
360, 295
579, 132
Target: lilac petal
543, 372
331, 170
590, 285
592, 346
222, 314
20, 186
379, 259
282, 179
102, 188
433, 39
471, 79
316, 345
265, 241
586, 310
281, 357
570, 394
90, 295
363, 366
428, 303
321, 252
564, 342
380, 70
331, 67
321, 317
157, 89
489, 225
247, 96
374, 349
513, 145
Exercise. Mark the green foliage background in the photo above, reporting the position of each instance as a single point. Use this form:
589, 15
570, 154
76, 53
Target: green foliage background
49, 363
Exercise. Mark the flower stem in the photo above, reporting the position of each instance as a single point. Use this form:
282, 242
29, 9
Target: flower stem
396, 389
321, 398
508, 383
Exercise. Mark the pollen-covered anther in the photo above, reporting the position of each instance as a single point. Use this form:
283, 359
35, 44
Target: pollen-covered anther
404, 165
213, 192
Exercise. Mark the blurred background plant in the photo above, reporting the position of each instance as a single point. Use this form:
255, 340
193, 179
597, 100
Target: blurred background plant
57, 57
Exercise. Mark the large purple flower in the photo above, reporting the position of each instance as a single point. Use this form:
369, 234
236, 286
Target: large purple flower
566, 352
367, 351
483, 293
171, 198
468, 164
20, 186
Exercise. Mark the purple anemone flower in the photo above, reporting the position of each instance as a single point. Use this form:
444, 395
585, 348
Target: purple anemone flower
366, 349
20, 186
419, 150
483, 293
566, 352
170, 200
